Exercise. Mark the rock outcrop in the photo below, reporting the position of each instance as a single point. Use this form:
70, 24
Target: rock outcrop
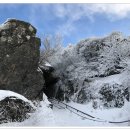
50, 88
19, 57
86, 67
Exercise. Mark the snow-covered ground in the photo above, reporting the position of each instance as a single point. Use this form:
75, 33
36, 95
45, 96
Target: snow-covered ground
67, 118
46, 117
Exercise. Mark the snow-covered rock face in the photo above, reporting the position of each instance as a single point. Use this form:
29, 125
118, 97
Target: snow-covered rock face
83, 67
19, 57
14, 107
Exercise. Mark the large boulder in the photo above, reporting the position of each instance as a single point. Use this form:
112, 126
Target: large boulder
19, 57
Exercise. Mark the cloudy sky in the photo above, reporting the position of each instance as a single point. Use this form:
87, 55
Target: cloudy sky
73, 21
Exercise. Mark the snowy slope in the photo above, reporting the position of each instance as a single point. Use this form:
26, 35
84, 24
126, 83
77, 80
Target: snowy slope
46, 117
67, 118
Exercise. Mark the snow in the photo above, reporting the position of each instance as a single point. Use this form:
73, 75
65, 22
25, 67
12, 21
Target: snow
39, 70
47, 117
7, 93
31, 28
106, 114
109, 79
121, 79
45, 99
47, 64
7, 55
43, 116
67, 118
2, 26
3, 39
28, 37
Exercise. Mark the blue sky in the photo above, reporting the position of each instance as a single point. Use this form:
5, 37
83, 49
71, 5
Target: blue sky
73, 21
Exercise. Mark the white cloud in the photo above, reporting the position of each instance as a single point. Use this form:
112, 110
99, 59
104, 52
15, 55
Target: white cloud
66, 29
78, 10
112, 11
75, 12
71, 13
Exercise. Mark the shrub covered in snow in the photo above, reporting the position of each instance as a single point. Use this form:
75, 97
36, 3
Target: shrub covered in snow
127, 94
14, 107
82, 96
112, 95
95, 104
